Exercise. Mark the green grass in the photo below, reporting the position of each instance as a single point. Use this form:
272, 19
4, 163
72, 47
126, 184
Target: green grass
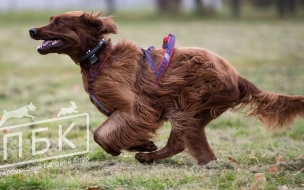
268, 52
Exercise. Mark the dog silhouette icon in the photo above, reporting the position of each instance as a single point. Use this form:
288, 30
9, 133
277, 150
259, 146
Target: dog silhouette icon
19, 113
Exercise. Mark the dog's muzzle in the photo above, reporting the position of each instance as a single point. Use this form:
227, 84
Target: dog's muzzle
33, 32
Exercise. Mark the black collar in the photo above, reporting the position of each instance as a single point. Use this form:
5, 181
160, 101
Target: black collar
91, 53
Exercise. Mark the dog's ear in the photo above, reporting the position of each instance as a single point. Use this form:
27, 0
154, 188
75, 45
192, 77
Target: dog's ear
108, 25
105, 25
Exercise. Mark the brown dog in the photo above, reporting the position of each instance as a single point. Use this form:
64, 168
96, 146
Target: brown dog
197, 87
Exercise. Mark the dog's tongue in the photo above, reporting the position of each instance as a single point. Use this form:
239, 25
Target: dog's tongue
46, 42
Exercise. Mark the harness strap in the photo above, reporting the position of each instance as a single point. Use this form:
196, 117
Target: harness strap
91, 91
149, 58
168, 46
98, 103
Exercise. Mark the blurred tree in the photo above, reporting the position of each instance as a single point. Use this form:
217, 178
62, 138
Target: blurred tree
262, 3
235, 4
208, 6
198, 5
169, 6
285, 5
111, 6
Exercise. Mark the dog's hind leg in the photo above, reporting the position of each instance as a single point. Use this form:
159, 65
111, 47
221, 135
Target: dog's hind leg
197, 145
174, 146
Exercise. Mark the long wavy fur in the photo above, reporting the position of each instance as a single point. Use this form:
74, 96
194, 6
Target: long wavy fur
197, 87
275, 111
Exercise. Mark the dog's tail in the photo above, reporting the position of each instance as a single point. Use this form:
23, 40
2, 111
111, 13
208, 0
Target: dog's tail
275, 111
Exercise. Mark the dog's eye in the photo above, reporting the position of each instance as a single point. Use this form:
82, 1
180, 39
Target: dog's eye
57, 22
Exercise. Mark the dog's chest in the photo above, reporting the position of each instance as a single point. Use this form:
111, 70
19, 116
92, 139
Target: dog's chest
97, 93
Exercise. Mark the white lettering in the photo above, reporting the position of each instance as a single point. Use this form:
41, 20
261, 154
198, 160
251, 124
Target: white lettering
35, 140
62, 136
5, 144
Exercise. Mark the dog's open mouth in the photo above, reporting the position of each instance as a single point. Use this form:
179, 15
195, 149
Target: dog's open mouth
51, 43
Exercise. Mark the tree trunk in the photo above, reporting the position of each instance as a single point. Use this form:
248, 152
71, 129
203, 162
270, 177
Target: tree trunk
169, 6
235, 7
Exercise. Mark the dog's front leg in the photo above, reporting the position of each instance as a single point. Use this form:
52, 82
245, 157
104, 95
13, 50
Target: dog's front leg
105, 134
174, 146
120, 131
31, 116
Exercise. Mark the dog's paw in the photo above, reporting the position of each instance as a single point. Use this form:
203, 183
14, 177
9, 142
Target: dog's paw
148, 146
113, 152
110, 150
143, 158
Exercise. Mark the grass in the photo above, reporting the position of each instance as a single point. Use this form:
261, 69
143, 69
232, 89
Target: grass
268, 52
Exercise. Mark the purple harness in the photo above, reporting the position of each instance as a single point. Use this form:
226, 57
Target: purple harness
91, 91
168, 46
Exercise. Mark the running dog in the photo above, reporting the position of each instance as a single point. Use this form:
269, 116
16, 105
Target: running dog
197, 87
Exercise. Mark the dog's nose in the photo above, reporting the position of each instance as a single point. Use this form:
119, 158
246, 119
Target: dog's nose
32, 31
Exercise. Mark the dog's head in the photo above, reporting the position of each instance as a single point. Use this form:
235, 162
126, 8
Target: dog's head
31, 107
72, 33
